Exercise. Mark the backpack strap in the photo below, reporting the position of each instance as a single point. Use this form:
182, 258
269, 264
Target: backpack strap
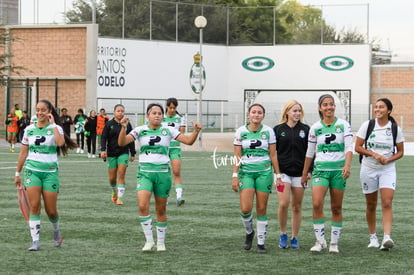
394, 129
370, 128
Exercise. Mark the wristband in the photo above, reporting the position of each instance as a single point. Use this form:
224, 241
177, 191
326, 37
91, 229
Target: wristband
235, 175
17, 174
277, 176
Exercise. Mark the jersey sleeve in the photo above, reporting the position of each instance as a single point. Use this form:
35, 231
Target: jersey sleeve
237, 138
400, 136
362, 132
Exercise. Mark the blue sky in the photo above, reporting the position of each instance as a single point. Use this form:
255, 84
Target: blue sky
389, 22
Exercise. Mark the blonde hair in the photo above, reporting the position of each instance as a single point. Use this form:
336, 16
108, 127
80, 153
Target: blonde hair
289, 105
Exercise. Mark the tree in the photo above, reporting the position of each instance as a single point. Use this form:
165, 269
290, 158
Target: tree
81, 12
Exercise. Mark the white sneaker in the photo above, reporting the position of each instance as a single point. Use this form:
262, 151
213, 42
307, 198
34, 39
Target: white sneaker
387, 244
78, 151
148, 246
373, 242
81, 151
161, 247
318, 246
333, 248
89, 155
93, 156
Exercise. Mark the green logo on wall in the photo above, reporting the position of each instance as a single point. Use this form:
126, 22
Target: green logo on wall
258, 63
336, 63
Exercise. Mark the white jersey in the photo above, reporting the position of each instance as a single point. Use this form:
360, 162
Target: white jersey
177, 121
331, 143
255, 148
154, 143
42, 154
380, 141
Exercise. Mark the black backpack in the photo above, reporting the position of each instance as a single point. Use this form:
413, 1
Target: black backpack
371, 125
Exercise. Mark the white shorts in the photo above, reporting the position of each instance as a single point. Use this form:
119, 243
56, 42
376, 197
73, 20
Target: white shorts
293, 181
374, 179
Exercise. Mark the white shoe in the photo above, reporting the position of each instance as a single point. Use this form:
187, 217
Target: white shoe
333, 248
148, 246
373, 242
93, 156
387, 244
318, 246
161, 247
78, 151
89, 155
81, 151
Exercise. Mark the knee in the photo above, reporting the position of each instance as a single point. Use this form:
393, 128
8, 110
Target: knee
336, 210
296, 208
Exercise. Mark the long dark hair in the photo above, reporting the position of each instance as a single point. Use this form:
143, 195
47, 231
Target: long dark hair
69, 143
173, 101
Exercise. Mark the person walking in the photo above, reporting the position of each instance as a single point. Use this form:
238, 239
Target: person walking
12, 129
90, 133
330, 142
117, 157
378, 172
154, 174
66, 121
174, 119
79, 122
101, 120
255, 154
42, 143
291, 145
23, 123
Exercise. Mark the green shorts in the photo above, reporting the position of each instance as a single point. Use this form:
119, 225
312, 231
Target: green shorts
329, 179
113, 162
260, 181
158, 183
49, 181
175, 153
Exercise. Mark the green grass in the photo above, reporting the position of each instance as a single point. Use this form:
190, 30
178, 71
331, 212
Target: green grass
204, 236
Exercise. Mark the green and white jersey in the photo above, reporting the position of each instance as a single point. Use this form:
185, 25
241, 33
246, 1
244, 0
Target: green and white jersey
381, 142
255, 148
331, 143
176, 122
154, 143
42, 154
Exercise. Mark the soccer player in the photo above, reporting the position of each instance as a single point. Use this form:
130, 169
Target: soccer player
174, 119
117, 157
12, 129
291, 145
101, 120
378, 172
255, 155
330, 141
154, 174
79, 122
41, 145
90, 133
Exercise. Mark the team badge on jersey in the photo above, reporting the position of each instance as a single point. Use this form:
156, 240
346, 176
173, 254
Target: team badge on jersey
388, 132
338, 129
164, 132
264, 135
49, 132
302, 134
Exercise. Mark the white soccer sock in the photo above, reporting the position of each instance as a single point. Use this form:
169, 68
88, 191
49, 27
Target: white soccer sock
261, 231
179, 192
319, 230
147, 228
121, 192
34, 229
161, 233
248, 223
335, 234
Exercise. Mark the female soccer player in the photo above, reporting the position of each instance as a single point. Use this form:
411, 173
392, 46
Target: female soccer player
42, 143
291, 145
12, 128
90, 133
174, 119
378, 171
117, 157
154, 174
255, 150
330, 141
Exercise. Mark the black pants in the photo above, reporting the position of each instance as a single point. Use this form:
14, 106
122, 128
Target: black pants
91, 140
80, 140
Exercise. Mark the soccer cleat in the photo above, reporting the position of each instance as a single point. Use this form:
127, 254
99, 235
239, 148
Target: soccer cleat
261, 248
387, 245
161, 247
333, 248
373, 242
114, 196
35, 246
148, 246
180, 201
294, 243
283, 241
57, 238
318, 246
248, 241
119, 201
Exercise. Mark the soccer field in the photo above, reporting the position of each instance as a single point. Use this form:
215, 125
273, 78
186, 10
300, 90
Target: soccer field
205, 235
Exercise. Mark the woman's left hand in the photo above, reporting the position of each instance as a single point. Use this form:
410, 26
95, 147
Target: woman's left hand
346, 173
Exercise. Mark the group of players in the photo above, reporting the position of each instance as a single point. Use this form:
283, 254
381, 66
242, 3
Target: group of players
287, 156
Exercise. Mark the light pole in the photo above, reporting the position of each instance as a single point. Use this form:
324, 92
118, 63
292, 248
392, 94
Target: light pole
200, 22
